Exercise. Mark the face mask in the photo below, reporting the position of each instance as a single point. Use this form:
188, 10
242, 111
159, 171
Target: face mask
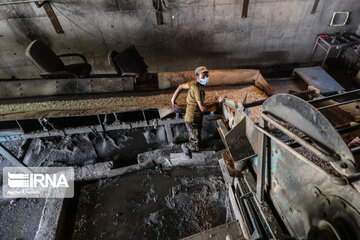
204, 81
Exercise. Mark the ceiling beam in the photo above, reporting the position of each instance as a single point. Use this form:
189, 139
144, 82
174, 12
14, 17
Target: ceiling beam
52, 16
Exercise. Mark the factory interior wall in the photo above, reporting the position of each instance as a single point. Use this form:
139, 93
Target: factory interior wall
195, 32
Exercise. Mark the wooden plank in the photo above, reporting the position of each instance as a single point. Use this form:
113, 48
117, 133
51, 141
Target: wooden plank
52, 16
237, 213
245, 8
222, 128
316, 3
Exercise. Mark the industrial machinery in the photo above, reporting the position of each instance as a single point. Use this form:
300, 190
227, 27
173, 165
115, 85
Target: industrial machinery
290, 163
293, 172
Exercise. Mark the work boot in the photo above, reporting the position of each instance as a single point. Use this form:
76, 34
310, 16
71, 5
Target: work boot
194, 149
187, 151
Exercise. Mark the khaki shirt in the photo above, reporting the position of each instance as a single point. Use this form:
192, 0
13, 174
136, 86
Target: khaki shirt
195, 93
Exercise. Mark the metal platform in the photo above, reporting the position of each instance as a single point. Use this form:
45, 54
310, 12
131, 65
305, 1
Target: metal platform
318, 78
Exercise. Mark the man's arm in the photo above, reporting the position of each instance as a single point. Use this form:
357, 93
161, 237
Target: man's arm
204, 107
176, 93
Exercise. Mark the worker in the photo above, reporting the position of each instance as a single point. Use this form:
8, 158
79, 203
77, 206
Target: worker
194, 108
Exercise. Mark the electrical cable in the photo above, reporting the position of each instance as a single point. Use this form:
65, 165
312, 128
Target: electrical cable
164, 4
108, 37
115, 40
73, 22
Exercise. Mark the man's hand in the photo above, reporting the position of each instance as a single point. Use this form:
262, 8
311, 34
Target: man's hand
355, 142
173, 103
220, 99
176, 93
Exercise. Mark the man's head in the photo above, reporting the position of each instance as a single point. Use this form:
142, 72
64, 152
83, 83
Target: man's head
202, 75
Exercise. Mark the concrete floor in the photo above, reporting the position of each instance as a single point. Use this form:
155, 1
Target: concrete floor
20, 218
152, 205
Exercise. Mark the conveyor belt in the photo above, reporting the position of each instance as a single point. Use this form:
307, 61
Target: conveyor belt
97, 104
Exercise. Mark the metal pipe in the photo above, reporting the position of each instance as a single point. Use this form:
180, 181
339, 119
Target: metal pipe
334, 96
257, 207
338, 104
347, 128
298, 94
298, 139
256, 233
14, 135
237, 212
355, 149
286, 147
353, 178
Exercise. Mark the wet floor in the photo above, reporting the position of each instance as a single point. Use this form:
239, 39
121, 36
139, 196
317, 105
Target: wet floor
152, 205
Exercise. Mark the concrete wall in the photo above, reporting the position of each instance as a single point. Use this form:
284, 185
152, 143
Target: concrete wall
196, 32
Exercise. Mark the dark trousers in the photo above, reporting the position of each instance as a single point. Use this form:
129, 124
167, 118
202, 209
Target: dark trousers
194, 130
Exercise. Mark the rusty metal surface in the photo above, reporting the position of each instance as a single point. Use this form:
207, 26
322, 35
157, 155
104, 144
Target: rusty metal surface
312, 202
293, 182
291, 178
233, 113
340, 115
229, 163
310, 121
239, 145
297, 136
